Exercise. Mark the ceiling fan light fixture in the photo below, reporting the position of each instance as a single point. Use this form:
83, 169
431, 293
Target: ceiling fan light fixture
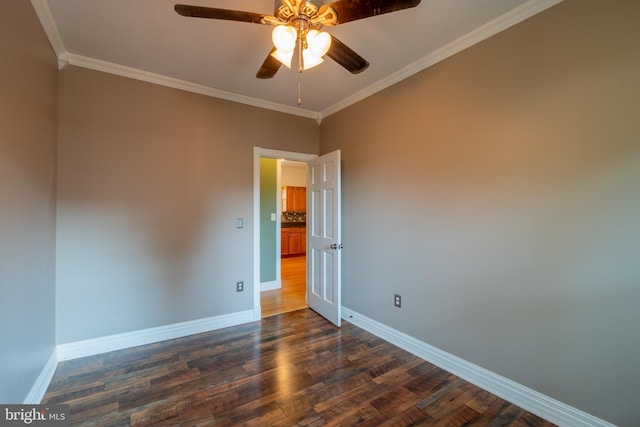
283, 57
297, 22
309, 60
284, 38
319, 42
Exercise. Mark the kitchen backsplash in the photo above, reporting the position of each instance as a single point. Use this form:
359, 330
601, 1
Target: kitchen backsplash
294, 217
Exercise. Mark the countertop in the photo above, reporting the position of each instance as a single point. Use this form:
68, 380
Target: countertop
292, 224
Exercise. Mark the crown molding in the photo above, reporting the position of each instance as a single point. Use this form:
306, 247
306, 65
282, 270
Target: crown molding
51, 29
43, 11
501, 23
509, 19
134, 73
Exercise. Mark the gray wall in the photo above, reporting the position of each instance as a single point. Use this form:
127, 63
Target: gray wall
28, 132
499, 193
150, 182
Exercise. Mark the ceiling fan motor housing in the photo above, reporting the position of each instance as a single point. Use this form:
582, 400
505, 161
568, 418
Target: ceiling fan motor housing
300, 9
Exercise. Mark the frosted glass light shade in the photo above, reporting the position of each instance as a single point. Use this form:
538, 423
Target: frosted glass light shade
284, 38
318, 42
284, 57
310, 60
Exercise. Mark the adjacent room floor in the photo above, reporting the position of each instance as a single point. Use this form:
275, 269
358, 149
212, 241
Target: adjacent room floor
292, 295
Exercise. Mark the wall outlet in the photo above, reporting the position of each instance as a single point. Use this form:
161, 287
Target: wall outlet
239, 286
397, 300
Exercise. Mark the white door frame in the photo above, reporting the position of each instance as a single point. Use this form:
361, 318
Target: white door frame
259, 152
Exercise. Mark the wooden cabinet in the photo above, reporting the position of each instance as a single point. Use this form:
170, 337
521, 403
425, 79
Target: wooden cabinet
294, 199
293, 241
284, 242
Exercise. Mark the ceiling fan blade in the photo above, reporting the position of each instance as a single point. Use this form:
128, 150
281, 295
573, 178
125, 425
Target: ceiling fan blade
269, 67
214, 13
352, 10
345, 56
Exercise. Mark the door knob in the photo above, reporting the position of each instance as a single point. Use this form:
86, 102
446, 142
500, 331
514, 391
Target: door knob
336, 246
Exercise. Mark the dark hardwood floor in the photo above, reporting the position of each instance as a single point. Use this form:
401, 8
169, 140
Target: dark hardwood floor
293, 369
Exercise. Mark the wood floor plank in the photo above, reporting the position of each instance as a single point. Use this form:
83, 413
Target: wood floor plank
358, 416
292, 294
292, 369
411, 416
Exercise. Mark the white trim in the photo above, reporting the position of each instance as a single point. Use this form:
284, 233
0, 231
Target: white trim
279, 221
257, 313
42, 382
522, 396
93, 346
270, 286
134, 73
286, 155
257, 308
50, 28
513, 17
501, 23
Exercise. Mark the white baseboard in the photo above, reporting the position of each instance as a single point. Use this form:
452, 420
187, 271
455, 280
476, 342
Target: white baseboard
93, 346
530, 400
526, 398
270, 286
257, 313
42, 382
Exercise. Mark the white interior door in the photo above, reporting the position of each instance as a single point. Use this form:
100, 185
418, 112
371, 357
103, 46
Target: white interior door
324, 244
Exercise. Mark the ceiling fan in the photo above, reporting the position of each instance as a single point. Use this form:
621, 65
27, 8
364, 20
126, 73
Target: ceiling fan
297, 27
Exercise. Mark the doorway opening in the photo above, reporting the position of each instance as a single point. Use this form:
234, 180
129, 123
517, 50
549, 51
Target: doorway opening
291, 191
280, 275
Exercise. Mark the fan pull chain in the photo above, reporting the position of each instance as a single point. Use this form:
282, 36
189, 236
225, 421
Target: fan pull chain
300, 62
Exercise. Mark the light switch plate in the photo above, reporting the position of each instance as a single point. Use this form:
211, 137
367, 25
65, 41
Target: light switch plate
239, 223
273, 217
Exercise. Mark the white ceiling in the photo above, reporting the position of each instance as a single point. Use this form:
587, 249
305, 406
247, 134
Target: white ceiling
148, 40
